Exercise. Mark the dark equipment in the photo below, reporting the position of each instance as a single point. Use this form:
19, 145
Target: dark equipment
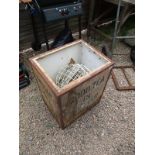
23, 76
52, 10
64, 37
61, 11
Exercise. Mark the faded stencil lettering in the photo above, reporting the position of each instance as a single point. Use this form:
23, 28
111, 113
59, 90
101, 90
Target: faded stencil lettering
88, 95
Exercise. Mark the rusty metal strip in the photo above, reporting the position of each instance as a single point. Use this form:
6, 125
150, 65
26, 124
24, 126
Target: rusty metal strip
118, 87
126, 77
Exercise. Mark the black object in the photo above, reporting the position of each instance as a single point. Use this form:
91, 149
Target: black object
132, 55
105, 50
23, 76
36, 46
64, 37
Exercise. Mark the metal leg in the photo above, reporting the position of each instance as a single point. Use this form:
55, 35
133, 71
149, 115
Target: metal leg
123, 17
66, 23
91, 14
116, 25
45, 36
34, 29
79, 17
44, 32
36, 45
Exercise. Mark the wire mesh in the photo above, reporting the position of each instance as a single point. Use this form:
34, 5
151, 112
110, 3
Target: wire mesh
70, 73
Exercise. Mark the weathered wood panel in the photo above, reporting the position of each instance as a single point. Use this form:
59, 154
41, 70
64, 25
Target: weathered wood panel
48, 96
85, 96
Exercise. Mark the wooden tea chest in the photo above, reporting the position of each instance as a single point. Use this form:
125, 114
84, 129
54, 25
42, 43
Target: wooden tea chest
71, 101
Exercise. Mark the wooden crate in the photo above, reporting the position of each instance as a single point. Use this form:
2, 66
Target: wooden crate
71, 101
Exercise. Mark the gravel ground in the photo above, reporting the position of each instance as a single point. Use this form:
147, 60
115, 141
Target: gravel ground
108, 129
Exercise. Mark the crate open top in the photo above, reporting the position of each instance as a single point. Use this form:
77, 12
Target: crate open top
74, 99
53, 61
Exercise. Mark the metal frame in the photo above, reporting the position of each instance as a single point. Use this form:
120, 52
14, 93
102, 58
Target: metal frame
118, 26
118, 87
118, 22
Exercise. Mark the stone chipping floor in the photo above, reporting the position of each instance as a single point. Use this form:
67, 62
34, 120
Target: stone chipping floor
107, 129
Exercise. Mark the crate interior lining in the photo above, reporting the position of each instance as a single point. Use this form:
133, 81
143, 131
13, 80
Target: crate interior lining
79, 52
